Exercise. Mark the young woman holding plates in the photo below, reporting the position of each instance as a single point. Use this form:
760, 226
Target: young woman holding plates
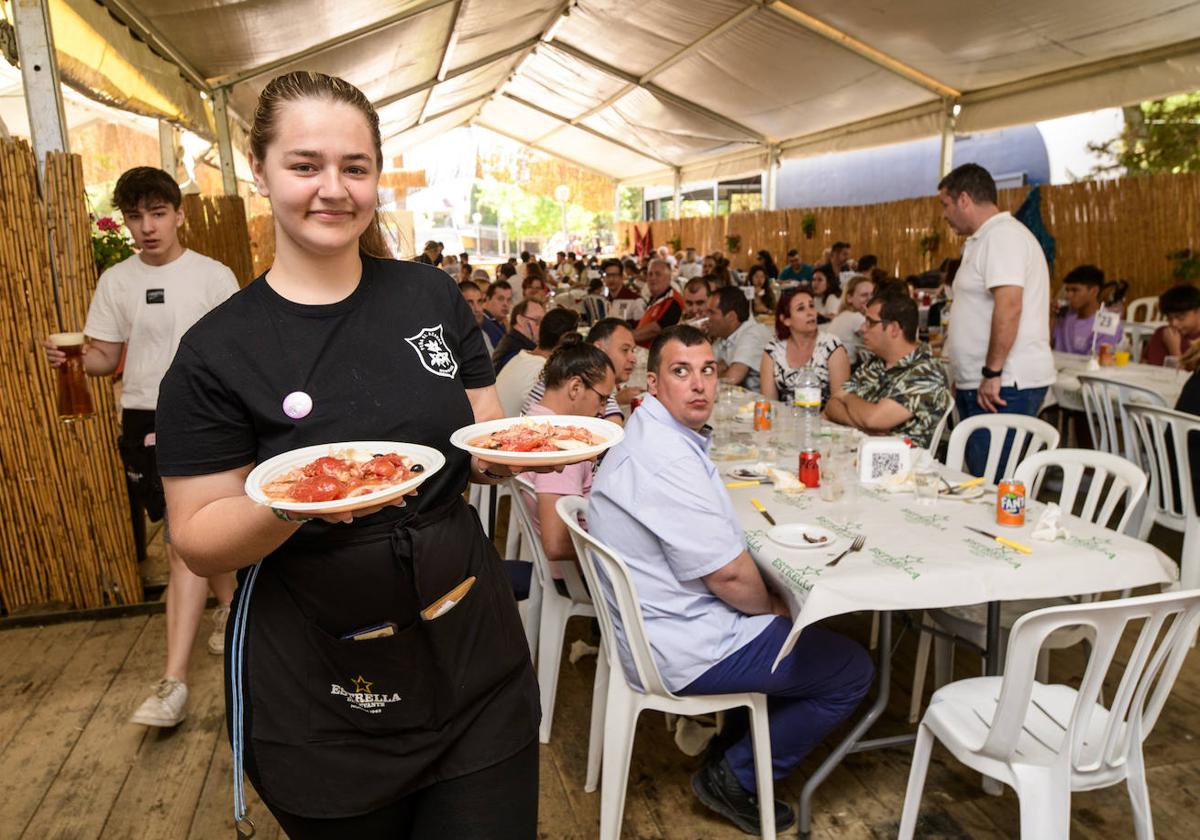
359, 704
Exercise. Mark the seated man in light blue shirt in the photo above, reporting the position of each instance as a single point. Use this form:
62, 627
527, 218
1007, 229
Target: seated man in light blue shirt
712, 624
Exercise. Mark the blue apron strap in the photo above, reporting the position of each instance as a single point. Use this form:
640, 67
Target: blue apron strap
245, 828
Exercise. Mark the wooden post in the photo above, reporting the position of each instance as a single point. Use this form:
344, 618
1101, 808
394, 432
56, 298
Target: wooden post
39, 72
224, 144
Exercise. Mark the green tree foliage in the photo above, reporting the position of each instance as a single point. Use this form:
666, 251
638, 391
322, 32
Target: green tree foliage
526, 215
1160, 136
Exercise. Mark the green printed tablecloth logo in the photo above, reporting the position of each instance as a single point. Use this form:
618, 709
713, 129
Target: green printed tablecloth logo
994, 551
874, 492
931, 520
906, 563
846, 529
1101, 544
801, 501
800, 577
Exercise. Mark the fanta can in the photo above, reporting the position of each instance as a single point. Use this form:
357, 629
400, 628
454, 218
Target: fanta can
762, 416
1010, 503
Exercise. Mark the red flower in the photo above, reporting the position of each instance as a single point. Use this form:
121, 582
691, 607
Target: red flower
107, 225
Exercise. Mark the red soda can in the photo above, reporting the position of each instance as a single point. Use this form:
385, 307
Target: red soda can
1010, 503
762, 416
810, 468
634, 403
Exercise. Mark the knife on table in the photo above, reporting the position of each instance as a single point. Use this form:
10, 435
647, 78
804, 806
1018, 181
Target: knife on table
1013, 544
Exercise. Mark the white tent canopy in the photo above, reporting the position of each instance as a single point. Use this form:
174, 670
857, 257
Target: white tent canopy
662, 91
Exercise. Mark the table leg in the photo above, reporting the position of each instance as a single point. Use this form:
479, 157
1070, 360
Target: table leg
850, 743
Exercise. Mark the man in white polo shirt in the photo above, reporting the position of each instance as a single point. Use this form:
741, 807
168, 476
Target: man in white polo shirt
144, 305
999, 339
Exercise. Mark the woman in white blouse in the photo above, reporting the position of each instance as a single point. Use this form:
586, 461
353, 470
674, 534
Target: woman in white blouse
797, 343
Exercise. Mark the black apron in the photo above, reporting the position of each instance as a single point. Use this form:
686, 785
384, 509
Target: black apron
333, 727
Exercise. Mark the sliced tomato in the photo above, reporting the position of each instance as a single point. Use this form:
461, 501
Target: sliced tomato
335, 467
322, 488
381, 466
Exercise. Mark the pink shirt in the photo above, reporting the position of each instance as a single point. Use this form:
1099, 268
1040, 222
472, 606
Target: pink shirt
574, 480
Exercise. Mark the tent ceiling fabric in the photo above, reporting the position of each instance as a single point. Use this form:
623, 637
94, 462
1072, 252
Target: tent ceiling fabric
649, 90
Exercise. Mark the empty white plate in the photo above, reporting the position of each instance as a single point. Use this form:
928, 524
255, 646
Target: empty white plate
799, 535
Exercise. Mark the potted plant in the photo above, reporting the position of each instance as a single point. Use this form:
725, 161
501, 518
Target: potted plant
1187, 265
808, 225
676, 244
930, 241
109, 244
732, 243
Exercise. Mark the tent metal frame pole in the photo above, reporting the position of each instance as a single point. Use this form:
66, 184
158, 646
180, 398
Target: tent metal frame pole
660, 93
669, 62
507, 52
770, 178
946, 156
149, 33
544, 150
815, 25
224, 144
677, 195
548, 113
39, 73
231, 79
444, 61
166, 149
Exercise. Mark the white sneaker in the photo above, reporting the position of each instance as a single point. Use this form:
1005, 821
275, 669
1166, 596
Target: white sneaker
216, 642
165, 706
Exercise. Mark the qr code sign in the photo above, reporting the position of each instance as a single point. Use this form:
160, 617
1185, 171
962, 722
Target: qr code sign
884, 464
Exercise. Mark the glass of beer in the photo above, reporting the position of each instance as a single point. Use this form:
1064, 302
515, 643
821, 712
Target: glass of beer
74, 399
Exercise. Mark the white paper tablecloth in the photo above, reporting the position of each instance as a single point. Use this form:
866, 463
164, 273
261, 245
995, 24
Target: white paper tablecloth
920, 556
1168, 383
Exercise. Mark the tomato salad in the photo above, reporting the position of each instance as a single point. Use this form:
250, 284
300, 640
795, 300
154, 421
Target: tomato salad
341, 476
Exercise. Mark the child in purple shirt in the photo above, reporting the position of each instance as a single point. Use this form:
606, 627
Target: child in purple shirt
1074, 329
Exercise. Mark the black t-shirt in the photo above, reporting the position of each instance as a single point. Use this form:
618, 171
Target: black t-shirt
389, 362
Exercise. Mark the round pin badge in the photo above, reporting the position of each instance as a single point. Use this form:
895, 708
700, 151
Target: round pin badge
297, 405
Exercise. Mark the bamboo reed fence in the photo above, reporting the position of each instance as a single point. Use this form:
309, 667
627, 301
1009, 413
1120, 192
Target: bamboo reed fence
215, 225
1126, 226
65, 535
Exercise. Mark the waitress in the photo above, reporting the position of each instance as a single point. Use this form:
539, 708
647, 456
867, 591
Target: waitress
428, 730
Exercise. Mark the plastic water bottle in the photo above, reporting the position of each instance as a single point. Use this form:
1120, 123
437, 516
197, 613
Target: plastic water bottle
807, 399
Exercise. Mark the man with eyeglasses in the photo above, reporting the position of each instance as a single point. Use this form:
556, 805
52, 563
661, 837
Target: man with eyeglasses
623, 302
901, 389
515, 381
523, 327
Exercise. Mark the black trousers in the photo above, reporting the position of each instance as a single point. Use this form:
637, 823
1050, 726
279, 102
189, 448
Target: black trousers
497, 803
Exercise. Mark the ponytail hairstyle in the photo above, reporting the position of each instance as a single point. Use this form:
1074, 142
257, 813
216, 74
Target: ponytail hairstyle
574, 357
305, 84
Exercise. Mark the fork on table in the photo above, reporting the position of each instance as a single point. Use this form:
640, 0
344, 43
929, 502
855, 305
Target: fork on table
857, 545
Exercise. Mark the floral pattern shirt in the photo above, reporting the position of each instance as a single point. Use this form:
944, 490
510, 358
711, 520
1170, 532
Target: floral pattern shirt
918, 382
786, 377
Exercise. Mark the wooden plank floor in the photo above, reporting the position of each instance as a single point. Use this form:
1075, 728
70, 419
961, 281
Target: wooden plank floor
72, 767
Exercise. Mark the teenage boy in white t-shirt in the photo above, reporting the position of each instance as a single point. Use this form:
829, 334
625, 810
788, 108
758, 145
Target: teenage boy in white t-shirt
148, 302
999, 340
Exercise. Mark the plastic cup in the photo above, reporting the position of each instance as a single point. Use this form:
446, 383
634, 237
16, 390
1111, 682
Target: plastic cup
74, 399
1122, 358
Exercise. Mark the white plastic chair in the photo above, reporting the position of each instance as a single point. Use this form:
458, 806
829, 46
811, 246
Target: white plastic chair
1104, 403
1045, 741
1161, 446
554, 610
1139, 333
1143, 309
1125, 483
936, 439
616, 704
1030, 435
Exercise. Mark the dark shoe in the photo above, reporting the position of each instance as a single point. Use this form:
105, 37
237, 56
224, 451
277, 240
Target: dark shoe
715, 785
